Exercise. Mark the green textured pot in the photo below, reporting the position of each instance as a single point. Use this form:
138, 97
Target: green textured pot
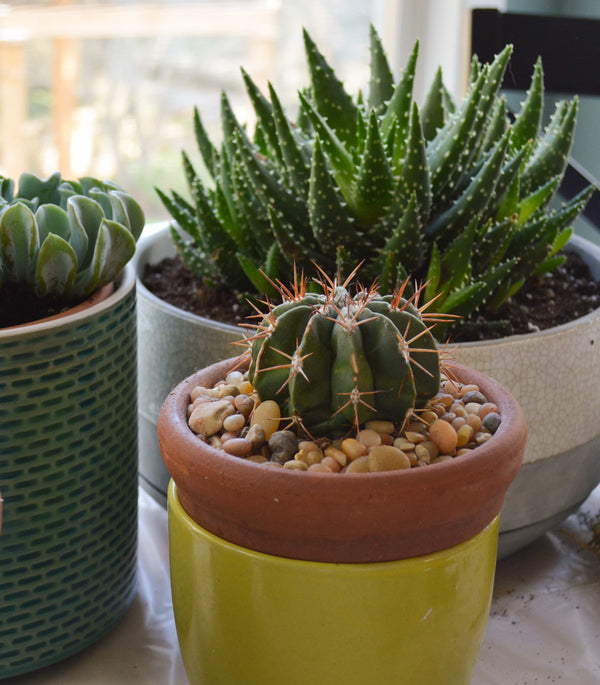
279, 576
68, 474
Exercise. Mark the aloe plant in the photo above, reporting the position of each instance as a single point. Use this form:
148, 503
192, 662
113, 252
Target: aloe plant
65, 239
452, 194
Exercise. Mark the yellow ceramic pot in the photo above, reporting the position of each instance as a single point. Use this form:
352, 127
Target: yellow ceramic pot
248, 618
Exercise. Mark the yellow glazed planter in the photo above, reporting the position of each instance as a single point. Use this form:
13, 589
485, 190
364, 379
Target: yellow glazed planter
257, 619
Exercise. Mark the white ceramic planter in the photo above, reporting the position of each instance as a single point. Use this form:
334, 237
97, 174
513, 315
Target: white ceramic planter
555, 376
172, 344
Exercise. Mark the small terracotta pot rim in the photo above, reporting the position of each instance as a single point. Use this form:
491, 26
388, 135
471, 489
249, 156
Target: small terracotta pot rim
511, 426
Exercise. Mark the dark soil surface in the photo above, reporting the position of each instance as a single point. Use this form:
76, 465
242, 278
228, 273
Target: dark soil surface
566, 294
18, 306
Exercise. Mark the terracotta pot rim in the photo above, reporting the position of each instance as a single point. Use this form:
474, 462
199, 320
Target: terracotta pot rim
511, 427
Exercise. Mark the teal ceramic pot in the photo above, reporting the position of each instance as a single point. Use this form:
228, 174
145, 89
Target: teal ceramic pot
68, 475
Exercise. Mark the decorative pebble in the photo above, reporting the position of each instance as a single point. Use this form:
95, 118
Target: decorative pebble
207, 418
267, 415
238, 447
234, 423
491, 422
444, 436
387, 458
229, 417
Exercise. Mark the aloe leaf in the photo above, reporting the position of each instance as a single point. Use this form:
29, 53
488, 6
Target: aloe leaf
56, 265
264, 116
434, 275
505, 197
329, 218
329, 95
19, 243
475, 198
528, 121
496, 127
292, 246
340, 159
208, 151
404, 243
180, 210
381, 83
538, 199
254, 274
400, 104
456, 259
268, 188
414, 173
196, 259
491, 245
296, 162
550, 157
374, 181
433, 111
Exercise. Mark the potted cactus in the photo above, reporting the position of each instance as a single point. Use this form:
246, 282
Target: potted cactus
450, 193
68, 415
393, 557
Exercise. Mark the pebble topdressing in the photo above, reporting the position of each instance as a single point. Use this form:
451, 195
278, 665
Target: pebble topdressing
229, 416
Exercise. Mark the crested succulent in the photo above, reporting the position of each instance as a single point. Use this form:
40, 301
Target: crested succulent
65, 239
334, 360
452, 194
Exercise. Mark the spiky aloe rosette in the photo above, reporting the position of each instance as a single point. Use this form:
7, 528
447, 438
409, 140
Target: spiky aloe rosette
452, 194
65, 239
334, 360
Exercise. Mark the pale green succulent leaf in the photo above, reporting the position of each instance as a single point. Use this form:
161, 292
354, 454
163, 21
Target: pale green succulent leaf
32, 187
85, 216
19, 243
56, 266
54, 219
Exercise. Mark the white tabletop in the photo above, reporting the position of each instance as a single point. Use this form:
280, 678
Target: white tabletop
544, 624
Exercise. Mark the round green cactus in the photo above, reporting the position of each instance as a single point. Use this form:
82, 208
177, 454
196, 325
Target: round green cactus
65, 239
335, 360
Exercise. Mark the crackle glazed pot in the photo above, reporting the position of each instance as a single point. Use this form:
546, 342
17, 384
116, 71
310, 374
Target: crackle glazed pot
181, 341
315, 578
555, 377
68, 474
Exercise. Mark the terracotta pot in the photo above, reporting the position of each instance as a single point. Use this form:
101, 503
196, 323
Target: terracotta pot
346, 517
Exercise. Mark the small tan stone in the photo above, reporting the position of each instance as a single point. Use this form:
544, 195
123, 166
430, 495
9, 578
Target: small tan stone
387, 458
359, 465
444, 436
267, 415
238, 447
207, 418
